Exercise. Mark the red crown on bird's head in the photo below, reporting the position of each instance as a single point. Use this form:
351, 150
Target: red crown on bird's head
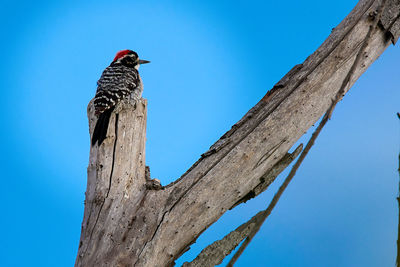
122, 53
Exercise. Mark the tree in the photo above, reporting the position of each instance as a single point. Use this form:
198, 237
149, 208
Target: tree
130, 220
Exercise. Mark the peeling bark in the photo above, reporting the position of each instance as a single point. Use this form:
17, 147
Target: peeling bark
127, 223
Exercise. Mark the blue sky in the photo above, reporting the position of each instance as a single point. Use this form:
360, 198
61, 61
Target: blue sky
211, 62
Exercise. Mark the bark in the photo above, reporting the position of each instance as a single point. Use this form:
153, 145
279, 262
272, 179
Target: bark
127, 223
215, 253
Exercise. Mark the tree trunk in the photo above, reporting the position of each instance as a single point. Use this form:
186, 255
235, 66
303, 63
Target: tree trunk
128, 223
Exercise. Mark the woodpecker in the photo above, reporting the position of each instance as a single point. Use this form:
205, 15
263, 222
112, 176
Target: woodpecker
119, 81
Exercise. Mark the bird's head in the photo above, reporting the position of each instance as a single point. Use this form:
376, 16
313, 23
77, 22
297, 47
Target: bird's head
129, 58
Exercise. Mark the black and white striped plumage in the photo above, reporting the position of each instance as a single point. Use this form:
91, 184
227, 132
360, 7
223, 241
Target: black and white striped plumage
120, 80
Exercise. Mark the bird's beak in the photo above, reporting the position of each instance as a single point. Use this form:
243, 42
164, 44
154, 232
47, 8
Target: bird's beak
142, 61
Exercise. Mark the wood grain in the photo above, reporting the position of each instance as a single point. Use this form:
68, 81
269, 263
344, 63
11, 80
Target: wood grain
126, 224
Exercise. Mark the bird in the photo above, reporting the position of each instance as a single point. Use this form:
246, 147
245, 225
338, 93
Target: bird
120, 80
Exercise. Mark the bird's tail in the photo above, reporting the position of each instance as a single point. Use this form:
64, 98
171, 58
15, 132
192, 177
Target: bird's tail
100, 130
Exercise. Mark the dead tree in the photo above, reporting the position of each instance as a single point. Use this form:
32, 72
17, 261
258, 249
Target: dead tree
130, 221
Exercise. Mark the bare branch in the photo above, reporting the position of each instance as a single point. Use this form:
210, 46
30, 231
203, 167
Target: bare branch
214, 253
132, 225
270, 176
314, 136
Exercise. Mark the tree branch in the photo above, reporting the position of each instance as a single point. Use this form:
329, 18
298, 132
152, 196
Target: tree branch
143, 227
314, 136
270, 176
214, 253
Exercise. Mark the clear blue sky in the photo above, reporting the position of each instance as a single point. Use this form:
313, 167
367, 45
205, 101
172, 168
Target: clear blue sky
211, 62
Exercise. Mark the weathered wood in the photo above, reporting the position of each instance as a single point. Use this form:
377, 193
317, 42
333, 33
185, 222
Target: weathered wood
390, 20
116, 178
126, 224
270, 176
215, 253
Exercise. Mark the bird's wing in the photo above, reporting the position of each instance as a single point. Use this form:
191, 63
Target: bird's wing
116, 83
